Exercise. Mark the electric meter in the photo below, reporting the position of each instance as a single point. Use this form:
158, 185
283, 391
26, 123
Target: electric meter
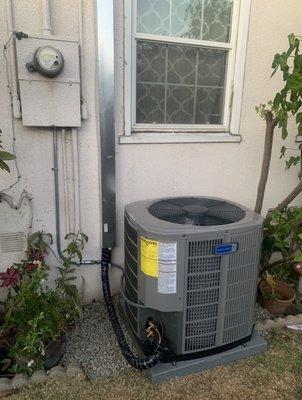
47, 60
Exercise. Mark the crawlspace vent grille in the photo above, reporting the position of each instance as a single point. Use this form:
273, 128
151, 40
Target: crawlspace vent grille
196, 211
12, 242
203, 280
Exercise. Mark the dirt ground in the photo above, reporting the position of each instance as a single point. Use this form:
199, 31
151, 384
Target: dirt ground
275, 375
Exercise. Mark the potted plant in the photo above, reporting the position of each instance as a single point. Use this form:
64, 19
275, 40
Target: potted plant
37, 315
277, 296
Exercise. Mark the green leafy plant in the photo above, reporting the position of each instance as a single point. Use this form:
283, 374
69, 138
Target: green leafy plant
283, 240
34, 313
286, 104
4, 157
269, 288
72, 254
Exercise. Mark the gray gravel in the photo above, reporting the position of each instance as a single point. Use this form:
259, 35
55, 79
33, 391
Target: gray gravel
261, 314
93, 345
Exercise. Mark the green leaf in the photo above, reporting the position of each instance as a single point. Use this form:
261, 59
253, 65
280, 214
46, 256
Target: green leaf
282, 152
71, 248
84, 236
4, 155
79, 255
299, 118
4, 166
295, 81
298, 257
292, 161
70, 236
298, 61
291, 39
284, 133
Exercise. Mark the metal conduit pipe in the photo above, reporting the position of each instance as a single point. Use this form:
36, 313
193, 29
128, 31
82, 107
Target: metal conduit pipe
82, 66
57, 192
65, 182
13, 79
57, 203
46, 21
76, 179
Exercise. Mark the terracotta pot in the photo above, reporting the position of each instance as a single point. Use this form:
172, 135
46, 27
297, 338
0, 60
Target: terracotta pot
278, 306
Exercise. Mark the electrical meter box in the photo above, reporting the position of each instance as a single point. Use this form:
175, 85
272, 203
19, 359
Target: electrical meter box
49, 81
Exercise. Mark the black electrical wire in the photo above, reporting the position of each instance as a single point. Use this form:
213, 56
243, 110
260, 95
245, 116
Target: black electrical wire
140, 363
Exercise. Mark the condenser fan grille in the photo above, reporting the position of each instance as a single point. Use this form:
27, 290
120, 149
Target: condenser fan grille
196, 211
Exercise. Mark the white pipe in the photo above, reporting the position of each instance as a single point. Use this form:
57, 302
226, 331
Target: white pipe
76, 178
46, 21
84, 112
66, 183
74, 131
13, 79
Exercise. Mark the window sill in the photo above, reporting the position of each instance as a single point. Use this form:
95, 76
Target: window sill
179, 137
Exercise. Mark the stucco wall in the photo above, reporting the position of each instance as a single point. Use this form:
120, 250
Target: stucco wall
34, 146
227, 170
146, 171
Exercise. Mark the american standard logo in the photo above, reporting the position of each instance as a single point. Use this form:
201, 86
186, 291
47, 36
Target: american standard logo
226, 248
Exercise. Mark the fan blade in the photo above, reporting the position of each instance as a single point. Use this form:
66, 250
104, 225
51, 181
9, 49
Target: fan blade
165, 209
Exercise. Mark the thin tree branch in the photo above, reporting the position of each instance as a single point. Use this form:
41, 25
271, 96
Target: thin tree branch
293, 194
271, 124
276, 263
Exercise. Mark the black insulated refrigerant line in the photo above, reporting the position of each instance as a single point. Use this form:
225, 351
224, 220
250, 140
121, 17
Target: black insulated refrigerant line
140, 363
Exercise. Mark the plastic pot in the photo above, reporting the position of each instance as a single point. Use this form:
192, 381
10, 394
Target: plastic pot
278, 306
53, 354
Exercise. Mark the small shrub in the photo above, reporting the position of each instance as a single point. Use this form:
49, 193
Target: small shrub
34, 313
283, 241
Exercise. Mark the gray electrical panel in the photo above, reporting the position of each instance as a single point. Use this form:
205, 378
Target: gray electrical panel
49, 81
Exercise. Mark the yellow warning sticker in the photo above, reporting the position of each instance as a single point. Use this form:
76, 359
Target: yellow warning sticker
149, 257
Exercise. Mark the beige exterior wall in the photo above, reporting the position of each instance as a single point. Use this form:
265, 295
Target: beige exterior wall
229, 170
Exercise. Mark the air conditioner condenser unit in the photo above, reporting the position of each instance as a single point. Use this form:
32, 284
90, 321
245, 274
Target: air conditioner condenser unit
191, 266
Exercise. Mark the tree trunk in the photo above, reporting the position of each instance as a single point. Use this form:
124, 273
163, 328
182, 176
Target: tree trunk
271, 123
290, 197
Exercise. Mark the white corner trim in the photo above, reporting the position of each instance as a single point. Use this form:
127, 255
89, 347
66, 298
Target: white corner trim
179, 137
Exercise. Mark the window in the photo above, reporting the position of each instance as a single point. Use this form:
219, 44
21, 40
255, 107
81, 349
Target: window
180, 58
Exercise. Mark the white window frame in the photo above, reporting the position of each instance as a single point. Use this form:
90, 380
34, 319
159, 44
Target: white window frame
171, 133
